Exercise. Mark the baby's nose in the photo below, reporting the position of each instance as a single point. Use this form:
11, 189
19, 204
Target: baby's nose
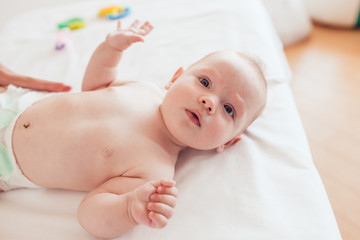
208, 103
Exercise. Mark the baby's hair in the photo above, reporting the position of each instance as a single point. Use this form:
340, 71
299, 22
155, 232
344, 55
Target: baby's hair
256, 62
260, 67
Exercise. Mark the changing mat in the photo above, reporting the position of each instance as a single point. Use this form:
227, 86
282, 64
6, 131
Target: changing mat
264, 187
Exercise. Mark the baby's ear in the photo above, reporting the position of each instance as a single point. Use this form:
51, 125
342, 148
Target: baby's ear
228, 144
174, 78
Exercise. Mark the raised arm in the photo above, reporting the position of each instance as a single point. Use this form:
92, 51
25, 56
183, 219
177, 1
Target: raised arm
102, 68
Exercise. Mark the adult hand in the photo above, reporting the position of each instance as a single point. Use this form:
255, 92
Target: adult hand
9, 77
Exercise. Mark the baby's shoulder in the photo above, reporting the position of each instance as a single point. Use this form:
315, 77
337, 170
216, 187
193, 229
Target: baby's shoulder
146, 85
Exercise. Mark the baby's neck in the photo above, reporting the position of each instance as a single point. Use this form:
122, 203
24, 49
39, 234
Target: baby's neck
169, 142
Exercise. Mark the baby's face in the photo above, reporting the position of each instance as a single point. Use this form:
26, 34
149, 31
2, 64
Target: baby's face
213, 101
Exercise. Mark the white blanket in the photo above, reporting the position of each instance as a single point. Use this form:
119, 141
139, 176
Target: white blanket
264, 187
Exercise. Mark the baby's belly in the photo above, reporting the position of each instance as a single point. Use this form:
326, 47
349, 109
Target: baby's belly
63, 148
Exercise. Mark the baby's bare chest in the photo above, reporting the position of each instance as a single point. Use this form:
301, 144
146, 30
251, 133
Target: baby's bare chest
100, 136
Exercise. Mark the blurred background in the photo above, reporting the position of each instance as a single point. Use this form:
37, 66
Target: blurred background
11, 8
322, 43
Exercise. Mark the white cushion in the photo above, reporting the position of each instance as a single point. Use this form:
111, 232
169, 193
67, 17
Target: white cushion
291, 19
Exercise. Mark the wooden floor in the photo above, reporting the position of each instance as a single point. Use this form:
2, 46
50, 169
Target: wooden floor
326, 88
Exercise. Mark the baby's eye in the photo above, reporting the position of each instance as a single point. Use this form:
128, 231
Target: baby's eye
229, 110
205, 82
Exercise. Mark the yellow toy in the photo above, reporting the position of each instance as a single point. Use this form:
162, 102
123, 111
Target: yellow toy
114, 12
110, 10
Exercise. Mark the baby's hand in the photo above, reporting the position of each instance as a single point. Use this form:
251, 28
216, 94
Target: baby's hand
152, 204
121, 39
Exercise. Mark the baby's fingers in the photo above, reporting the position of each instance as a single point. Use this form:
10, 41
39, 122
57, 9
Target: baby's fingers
164, 198
135, 24
143, 30
161, 208
118, 25
157, 220
132, 38
168, 183
146, 27
167, 190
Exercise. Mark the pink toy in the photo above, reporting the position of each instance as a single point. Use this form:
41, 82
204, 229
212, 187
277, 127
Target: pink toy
63, 37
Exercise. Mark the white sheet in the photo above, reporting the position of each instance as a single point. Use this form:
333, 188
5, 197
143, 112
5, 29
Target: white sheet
265, 187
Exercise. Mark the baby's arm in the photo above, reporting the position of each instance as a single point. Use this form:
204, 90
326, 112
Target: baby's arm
110, 210
102, 68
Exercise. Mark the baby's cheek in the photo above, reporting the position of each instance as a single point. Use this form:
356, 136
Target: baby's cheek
219, 133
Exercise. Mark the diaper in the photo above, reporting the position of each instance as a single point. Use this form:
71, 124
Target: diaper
12, 103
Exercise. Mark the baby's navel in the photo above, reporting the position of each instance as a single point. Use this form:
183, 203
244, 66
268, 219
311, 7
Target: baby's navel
26, 124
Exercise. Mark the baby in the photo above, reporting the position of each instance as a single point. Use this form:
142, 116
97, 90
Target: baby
120, 140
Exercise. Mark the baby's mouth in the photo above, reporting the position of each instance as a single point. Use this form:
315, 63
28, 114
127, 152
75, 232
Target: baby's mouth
194, 118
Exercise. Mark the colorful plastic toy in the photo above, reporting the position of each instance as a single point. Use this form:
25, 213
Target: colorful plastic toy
109, 10
119, 15
114, 12
72, 24
63, 37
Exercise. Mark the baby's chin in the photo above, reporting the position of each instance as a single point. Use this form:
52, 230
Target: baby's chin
200, 146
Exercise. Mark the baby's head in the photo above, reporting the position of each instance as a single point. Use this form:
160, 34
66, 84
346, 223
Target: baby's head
210, 104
